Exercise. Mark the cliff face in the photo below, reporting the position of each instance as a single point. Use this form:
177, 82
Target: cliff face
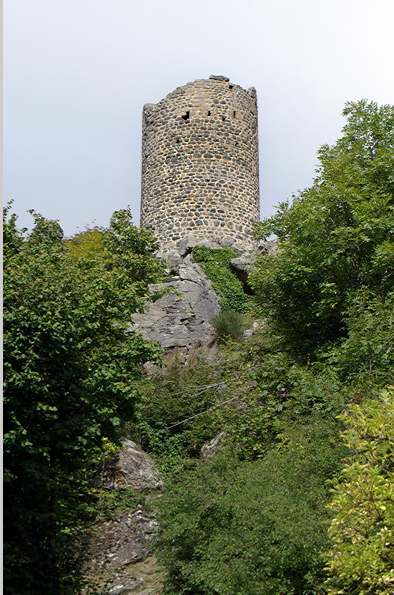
180, 320
120, 556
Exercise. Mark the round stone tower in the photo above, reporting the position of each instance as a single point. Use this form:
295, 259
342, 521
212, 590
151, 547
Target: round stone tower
200, 164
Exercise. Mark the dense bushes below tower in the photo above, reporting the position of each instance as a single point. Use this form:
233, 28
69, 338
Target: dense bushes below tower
252, 519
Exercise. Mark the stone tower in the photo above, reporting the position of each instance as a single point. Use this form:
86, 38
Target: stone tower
200, 164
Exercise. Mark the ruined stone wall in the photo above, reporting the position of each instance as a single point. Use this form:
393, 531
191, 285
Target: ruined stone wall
200, 164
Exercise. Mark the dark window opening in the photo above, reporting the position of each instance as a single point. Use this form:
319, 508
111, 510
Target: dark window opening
209, 113
186, 116
177, 140
234, 114
230, 86
223, 118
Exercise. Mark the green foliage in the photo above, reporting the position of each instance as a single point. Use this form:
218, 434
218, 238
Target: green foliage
86, 244
112, 502
336, 238
12, 236
255, 520
215, 264
167, 402
361, 559
252, 528
273, 389
366, 358
70, 374
229, 323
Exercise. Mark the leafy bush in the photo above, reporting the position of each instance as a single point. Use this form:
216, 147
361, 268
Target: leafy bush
86, 244
366, 357
230, 324
168, 400
252, 528
361, 559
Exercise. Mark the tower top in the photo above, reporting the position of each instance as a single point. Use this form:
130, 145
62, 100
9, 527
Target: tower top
219, 77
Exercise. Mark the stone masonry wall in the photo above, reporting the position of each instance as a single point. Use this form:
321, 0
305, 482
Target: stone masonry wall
200, 164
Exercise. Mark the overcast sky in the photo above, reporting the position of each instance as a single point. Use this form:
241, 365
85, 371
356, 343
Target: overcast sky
77, 73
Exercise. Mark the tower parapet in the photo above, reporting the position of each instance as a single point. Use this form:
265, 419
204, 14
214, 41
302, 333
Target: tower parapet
200, 164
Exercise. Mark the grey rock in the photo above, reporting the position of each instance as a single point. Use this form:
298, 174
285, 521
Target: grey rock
252, 330
185, 245
180, 319
118, 544
243, 263
171, 256
270, 247
121, 547
129, 586
209, 450
131, 468
219, 77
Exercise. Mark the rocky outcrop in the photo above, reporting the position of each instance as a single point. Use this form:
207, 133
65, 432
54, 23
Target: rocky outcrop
180, 319
117, 545
132, 469
120, 557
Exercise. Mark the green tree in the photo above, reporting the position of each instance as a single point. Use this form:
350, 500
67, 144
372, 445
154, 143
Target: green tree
231, 528
337, 236
365, 359
361, 559
87, 243
70, 371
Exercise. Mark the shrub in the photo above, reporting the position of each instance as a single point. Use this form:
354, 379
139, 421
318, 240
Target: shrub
361, 559
254, 527
230, 324
167, 402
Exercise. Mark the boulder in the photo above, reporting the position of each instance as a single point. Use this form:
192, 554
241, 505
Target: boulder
131, 468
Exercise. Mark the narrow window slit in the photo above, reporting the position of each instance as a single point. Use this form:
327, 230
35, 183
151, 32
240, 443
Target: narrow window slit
186, 116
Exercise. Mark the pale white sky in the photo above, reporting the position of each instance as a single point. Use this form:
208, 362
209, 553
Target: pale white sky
77, 73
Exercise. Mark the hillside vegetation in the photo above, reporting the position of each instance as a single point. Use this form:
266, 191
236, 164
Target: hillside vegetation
298, 496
